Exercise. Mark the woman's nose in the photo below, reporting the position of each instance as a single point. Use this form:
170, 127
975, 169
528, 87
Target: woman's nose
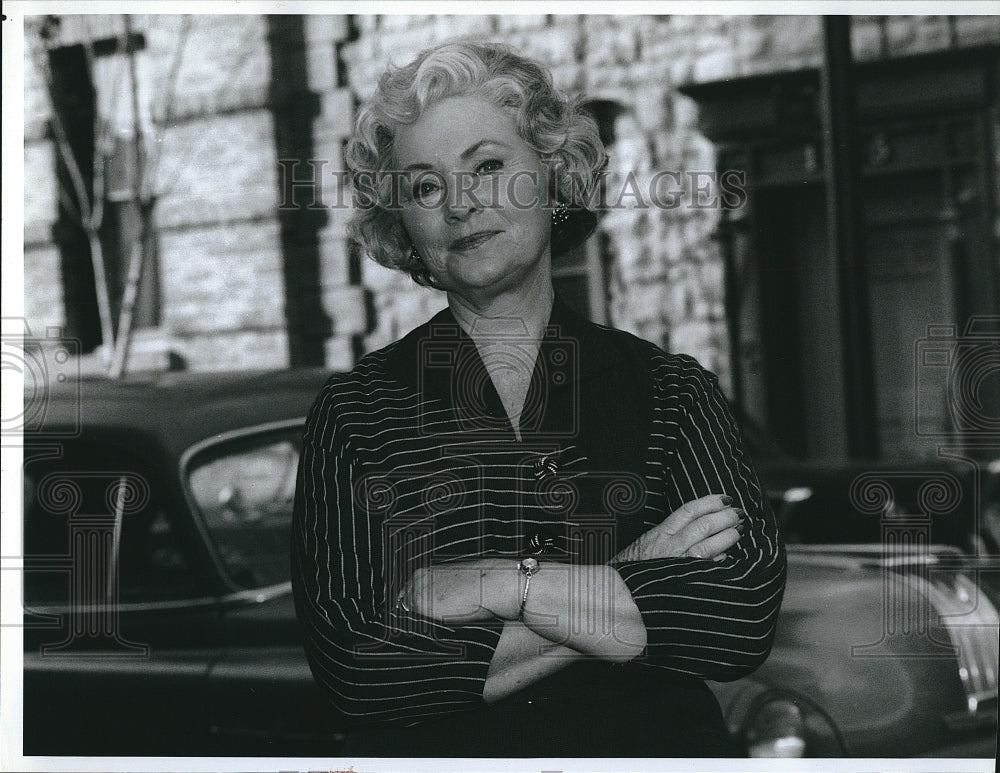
464, 196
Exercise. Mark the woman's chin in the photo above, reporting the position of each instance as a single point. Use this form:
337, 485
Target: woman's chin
489, 276
479, 279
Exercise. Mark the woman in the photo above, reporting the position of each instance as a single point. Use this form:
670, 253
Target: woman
518, 533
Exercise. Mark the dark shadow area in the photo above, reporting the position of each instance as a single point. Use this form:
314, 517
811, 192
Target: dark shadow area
73, 102
302, 215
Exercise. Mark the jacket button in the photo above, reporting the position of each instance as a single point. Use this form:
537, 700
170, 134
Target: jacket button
545, 467
539, 544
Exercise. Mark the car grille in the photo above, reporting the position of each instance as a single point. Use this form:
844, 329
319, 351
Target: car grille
972, 623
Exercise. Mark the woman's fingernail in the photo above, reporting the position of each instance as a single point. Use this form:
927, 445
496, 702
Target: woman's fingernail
741, 527
740, 512
727, 500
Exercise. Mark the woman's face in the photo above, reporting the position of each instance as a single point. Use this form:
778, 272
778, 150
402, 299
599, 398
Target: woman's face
472, 198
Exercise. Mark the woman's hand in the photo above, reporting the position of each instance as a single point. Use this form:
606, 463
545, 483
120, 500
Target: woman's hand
466, 592
702, 528
585, 608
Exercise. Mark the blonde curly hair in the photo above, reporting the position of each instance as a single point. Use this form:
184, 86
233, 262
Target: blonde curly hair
555, 126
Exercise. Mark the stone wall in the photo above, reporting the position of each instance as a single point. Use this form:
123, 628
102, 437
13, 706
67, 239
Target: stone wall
199, 90
667, 272
223, 272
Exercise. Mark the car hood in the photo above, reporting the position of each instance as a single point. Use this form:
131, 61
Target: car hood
888, 665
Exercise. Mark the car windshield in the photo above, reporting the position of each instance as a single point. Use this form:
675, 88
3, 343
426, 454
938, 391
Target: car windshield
245, 491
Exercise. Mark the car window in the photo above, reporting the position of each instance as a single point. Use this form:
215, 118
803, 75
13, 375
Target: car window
96, 529
245, 491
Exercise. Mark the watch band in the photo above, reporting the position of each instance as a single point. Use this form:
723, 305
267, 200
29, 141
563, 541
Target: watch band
528, 567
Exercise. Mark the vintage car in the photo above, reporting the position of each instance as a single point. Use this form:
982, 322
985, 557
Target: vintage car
159, 621
887, 640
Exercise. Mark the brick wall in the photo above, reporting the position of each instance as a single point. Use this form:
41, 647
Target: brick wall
222, 269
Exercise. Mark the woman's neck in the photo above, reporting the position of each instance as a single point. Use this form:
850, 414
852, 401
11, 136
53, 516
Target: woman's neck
516, 315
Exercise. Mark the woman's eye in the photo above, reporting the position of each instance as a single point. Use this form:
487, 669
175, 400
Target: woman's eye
425, 188
490, 166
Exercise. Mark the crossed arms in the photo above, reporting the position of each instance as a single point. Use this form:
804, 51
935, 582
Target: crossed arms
571, 611
665, 596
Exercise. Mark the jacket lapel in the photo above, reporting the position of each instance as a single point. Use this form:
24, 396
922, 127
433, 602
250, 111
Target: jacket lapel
442, 362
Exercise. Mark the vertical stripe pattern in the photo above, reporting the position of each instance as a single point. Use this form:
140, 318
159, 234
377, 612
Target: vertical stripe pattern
392, 476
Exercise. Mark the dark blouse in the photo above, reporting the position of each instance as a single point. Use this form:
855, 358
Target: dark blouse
410, 459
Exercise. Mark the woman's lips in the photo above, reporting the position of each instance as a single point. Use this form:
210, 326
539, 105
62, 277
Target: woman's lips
472, 241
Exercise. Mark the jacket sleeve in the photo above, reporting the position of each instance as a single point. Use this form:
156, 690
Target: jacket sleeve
374, 661
713, 620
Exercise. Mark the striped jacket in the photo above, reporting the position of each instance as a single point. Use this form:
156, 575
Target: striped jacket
410, 458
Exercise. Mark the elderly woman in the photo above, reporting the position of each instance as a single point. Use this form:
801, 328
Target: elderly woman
518, 533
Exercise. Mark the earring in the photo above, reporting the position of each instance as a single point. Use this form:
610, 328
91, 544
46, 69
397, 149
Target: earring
560, 214
415, 256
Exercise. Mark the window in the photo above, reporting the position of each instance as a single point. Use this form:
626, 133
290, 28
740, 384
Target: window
73, 105
121, 229
924, 291
245, 492
96, 172
580, 278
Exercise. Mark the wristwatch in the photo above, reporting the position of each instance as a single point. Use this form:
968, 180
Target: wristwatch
528, 566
